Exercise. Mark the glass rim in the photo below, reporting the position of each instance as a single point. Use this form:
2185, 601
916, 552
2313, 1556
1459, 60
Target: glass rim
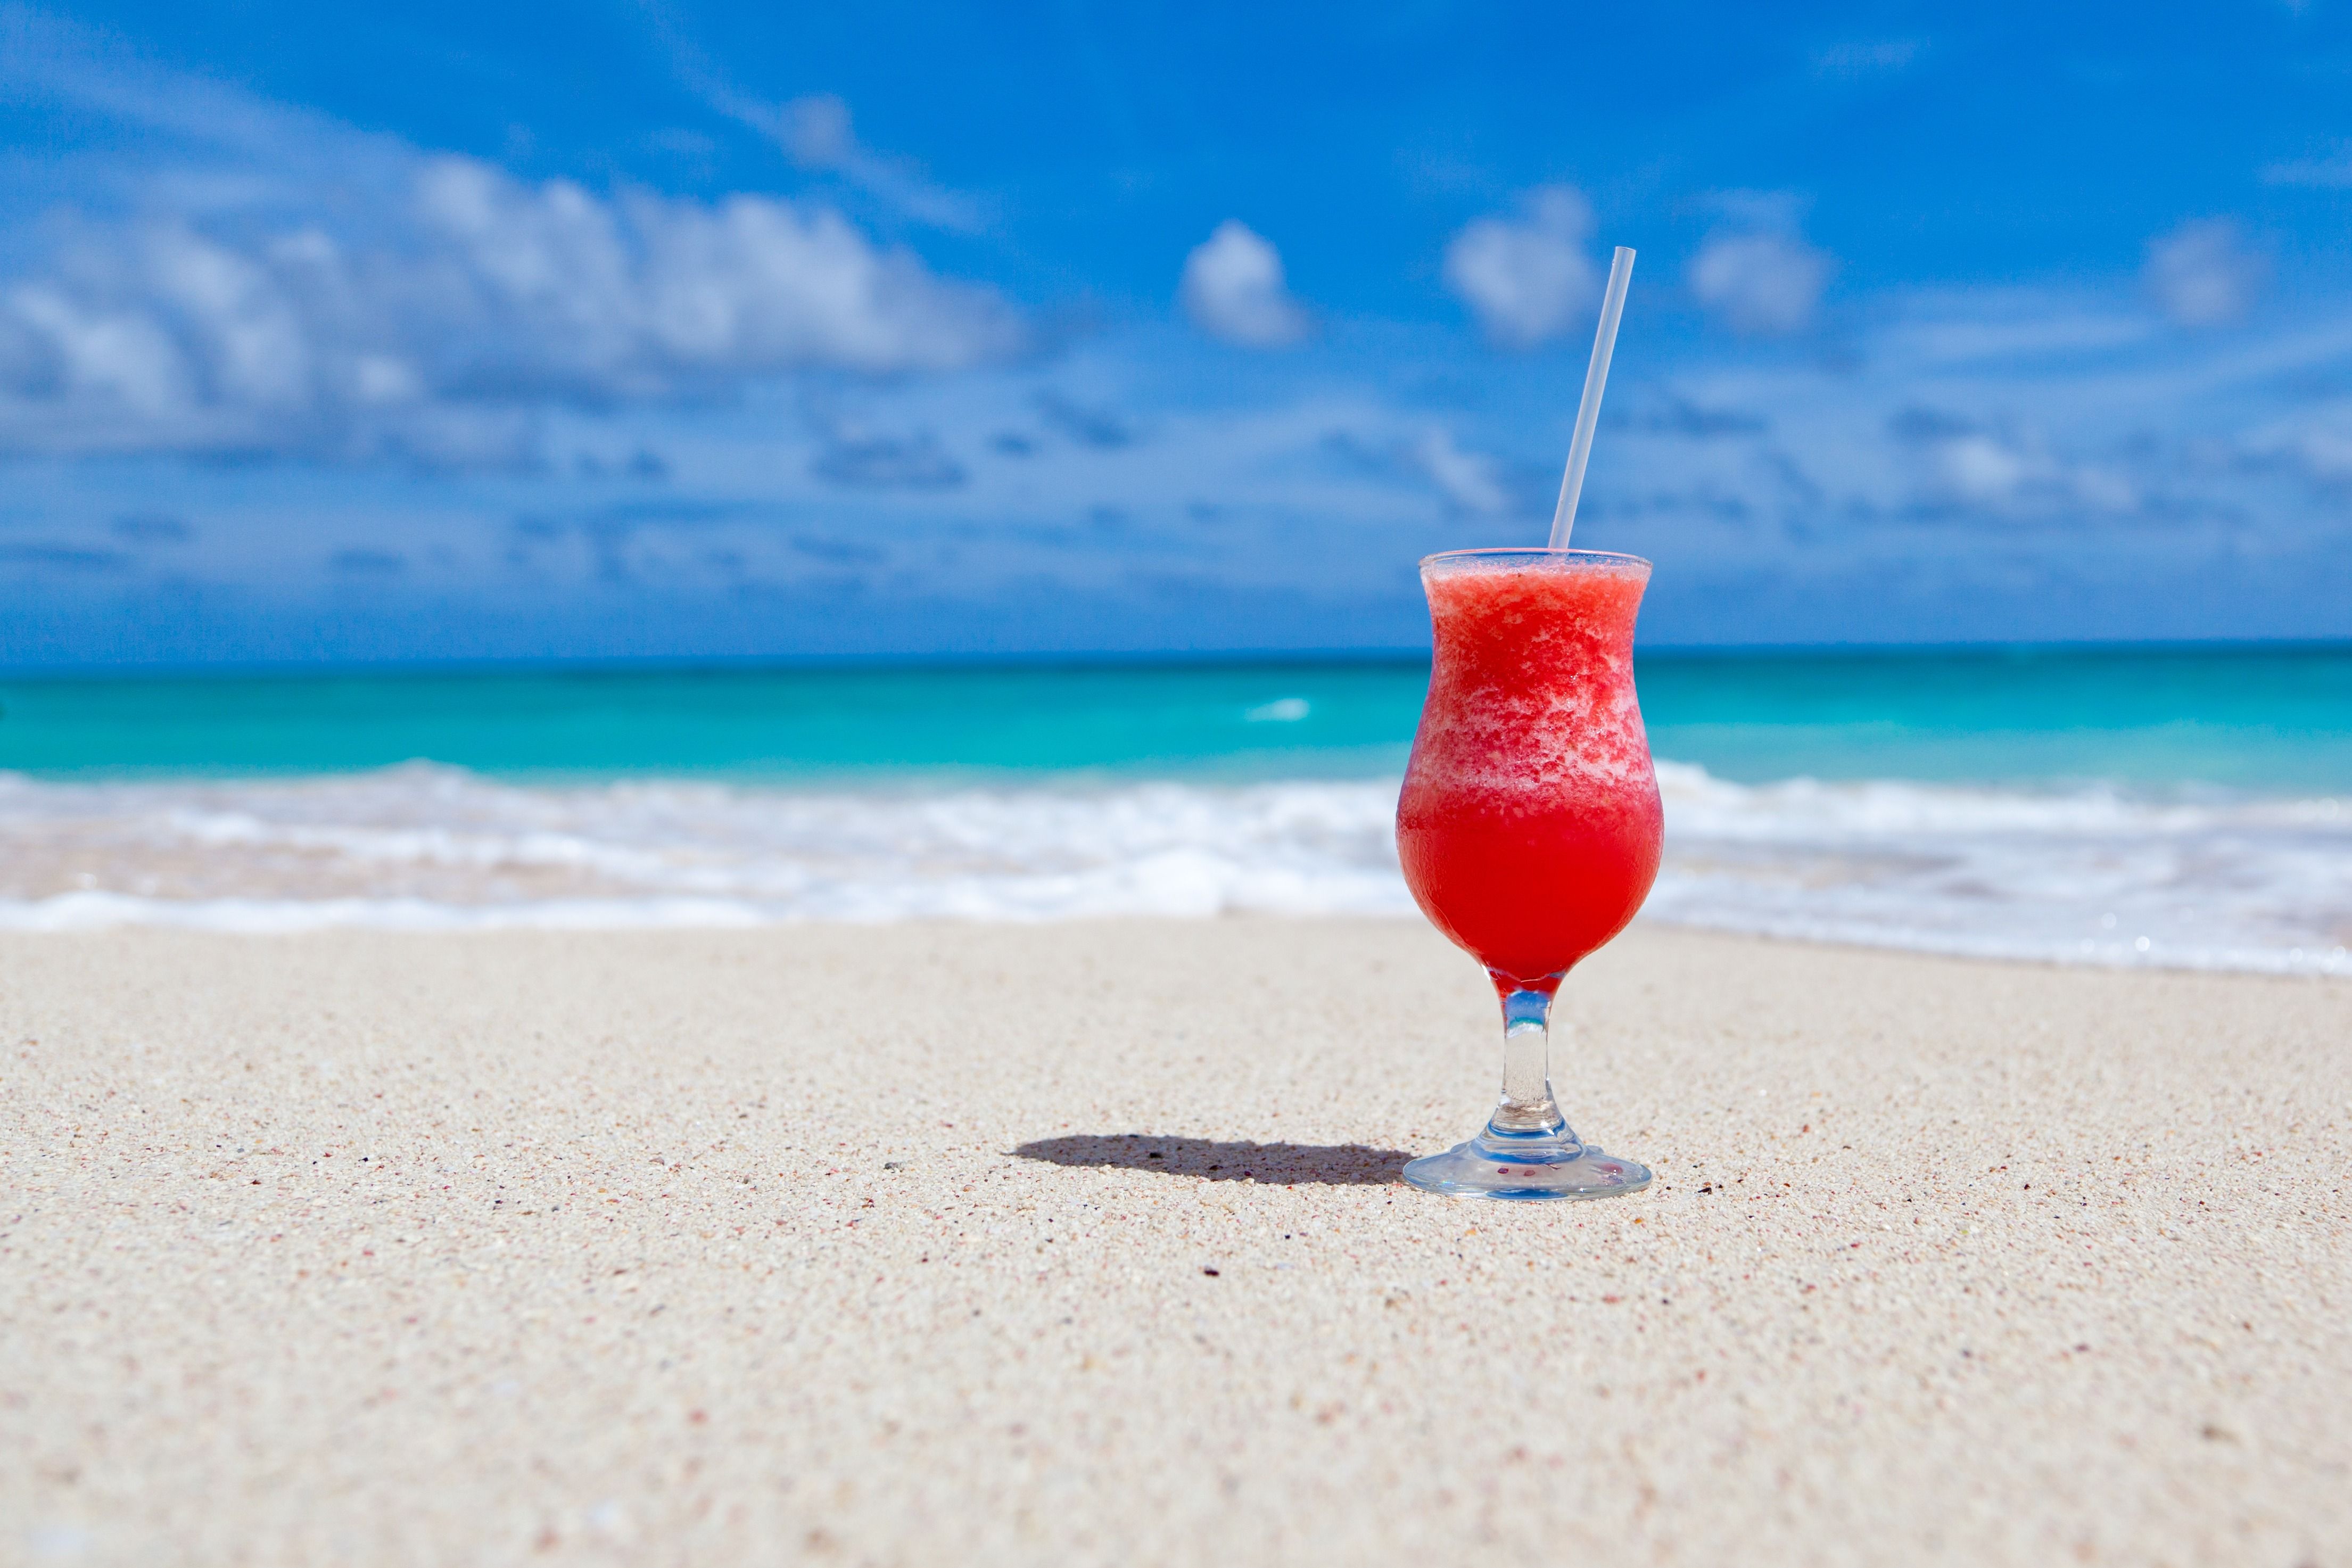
1537, 551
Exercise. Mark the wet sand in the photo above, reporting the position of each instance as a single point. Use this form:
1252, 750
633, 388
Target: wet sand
1082, 1244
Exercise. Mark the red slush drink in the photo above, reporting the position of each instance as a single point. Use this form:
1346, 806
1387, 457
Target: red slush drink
1530, 826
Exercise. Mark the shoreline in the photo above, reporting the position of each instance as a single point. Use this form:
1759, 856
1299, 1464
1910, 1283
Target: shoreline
241, 917
2223, 883
848, 1243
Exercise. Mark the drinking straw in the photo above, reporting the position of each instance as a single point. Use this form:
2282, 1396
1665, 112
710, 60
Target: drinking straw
1587, 412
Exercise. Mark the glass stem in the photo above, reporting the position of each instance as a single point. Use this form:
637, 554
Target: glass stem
1527, 1108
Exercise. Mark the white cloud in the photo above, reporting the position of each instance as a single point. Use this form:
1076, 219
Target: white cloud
647, 292
1765, 284
2003, 473
1471, 480
475, 299
1527, 279
2203, 274
1232, 289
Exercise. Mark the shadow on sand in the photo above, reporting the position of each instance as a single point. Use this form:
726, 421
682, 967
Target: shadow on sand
1331, 1164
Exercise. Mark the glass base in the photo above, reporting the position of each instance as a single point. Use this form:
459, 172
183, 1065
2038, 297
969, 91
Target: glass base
1519, 1165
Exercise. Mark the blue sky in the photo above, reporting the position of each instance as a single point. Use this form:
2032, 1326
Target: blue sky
608, 330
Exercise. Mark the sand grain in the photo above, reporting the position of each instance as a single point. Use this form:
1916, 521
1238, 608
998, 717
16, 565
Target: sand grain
725, 1249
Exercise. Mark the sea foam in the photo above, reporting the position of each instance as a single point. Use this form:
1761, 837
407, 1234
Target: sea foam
2080, 874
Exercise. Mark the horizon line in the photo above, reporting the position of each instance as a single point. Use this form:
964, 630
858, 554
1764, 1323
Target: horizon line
1078, 660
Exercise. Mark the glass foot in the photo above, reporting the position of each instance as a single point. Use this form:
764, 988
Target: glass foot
1505, 1166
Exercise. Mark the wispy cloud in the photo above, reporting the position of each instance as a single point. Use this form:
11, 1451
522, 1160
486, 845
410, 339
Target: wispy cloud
817, 134
2316, 442
46, 61
2331, 170
816, 131
1233, 289
1528, 278
2204, 274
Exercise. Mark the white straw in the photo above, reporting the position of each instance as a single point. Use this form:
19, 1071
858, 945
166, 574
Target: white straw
1587, 412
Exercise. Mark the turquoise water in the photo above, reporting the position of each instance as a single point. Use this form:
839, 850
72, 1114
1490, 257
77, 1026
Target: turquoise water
2259, 718
2114, 805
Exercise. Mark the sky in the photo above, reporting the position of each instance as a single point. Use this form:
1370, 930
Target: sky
613, 330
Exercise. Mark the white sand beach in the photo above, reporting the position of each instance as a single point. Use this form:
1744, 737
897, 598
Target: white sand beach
925, 1244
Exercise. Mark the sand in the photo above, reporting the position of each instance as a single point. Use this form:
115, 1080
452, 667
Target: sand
832, 1244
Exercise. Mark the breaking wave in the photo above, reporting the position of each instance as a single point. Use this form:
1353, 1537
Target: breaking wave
2086, 873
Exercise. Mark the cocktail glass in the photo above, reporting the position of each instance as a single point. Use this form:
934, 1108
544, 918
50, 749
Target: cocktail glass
1529, 826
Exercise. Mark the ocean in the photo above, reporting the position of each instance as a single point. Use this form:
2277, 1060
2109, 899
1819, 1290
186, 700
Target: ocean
2187, 806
